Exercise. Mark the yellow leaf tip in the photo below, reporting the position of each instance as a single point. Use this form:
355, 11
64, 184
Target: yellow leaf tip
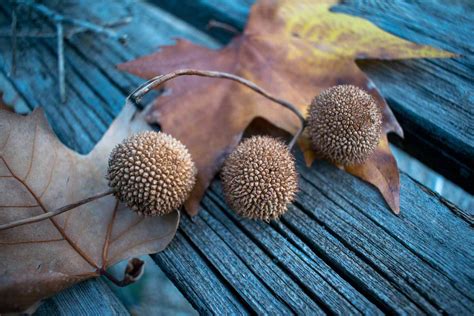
432, 52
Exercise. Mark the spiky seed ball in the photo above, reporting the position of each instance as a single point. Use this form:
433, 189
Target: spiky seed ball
259, 178
345, 124
152, 172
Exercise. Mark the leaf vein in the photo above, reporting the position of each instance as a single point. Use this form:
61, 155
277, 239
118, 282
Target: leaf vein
126, 230
30, 241
6, 141
141, 243
33, 147
105, 249
19, 206
51, 173
60, 230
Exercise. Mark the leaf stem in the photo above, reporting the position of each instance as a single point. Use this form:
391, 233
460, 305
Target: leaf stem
223, 26
138, 93
47, 215
113, 279
133, 271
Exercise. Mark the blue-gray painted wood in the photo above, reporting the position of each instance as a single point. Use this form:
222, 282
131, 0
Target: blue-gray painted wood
200, 13
92, 297
338, 250
342, 247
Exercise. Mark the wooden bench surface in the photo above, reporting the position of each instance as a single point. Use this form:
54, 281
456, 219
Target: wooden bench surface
339, 249
93, 297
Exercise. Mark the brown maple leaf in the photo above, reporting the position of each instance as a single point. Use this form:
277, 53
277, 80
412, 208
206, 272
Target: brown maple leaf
39, 174
294, 49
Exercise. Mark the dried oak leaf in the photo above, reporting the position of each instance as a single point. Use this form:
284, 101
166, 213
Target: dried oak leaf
39, 174
294, 49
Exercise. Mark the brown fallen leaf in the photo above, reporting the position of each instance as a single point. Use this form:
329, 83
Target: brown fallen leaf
381, 171
294, 49
39, 174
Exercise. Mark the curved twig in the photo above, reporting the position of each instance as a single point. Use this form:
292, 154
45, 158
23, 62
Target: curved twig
138, 93
136, 96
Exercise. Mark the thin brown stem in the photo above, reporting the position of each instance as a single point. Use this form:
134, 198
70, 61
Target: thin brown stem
14, 29
136, 95
113, 279
133, 271
222, 26
47, 215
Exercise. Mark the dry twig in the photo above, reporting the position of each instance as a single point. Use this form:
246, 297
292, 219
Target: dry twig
59, 20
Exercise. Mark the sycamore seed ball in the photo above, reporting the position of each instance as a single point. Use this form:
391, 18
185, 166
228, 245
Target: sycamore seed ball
345, 124
259, 178
152, 172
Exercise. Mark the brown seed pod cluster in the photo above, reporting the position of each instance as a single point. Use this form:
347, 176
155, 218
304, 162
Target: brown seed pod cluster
152, 172
259, 178
345, 124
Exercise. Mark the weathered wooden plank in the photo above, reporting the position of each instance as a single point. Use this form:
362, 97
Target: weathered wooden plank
418, 262
86, 298
246, 283
338, 250
407, 247
368, 294
432, 99
311, 274
208, 291
413, 229
270, 275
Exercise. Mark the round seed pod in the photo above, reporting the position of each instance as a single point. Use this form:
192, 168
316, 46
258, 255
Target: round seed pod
259, 178
151, 172
345, 124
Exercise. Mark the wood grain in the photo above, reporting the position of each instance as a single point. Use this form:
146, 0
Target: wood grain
87, 298
341, 247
